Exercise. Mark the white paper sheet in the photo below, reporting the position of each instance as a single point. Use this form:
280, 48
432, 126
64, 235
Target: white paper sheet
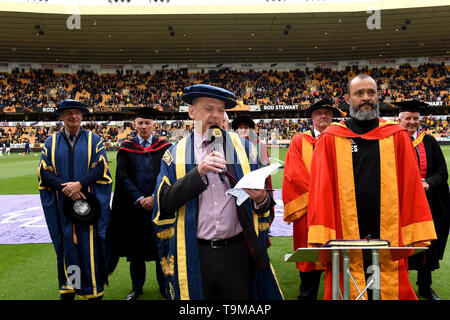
252, 180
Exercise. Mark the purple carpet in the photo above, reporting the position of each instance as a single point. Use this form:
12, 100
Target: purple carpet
22, 220
279, 228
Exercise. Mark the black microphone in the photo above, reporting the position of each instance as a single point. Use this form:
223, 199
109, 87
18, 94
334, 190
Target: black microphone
215, 137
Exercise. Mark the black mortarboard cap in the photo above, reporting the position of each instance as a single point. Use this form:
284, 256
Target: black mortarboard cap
411, 106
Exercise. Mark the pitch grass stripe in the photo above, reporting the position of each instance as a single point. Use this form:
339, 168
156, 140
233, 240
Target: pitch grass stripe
13, 169
18, 176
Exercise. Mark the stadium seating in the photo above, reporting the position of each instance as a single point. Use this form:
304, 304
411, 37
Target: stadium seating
40, 87
24, 89
112, 135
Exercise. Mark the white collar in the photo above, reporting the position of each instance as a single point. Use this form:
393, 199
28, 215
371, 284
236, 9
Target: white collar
316, 133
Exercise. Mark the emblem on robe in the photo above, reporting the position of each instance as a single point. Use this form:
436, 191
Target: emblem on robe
167, 157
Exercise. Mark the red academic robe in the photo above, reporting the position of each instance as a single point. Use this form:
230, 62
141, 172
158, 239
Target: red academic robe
295, 192
405, 217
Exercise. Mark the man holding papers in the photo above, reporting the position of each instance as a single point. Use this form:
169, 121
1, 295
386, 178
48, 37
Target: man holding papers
209, 246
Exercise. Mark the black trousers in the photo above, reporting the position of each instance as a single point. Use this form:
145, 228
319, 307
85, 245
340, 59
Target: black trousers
424, 278
226, 271
309, 285
138, 272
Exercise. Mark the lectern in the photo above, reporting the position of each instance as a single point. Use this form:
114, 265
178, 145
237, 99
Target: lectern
332, 253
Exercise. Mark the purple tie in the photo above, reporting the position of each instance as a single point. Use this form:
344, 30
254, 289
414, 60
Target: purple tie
230, 176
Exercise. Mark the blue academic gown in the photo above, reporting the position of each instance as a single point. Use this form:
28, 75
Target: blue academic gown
82, 251
177, 231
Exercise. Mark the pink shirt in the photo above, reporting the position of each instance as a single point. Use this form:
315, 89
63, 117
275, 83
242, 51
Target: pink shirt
217, 214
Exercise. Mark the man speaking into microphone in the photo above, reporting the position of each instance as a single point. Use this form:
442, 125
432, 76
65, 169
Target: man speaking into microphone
209, 247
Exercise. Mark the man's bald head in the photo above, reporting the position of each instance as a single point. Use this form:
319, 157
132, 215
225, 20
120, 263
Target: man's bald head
359, 77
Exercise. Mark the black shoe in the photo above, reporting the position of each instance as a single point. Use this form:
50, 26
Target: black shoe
428, 294
70, 296
163, 293
133, 295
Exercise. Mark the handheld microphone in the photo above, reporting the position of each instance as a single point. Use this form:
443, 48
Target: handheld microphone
215, 137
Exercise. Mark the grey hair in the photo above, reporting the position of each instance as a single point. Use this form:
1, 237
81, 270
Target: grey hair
364, 115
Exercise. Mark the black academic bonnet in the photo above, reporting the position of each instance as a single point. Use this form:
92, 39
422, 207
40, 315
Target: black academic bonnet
203, 90
145, 112
324, 104
411, 106
243, 119
71, 104
82, 212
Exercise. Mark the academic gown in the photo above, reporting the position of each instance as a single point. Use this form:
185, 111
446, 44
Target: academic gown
78, 248
132, 232
334, 211
433, 169
176, 228
264, 160
295, 192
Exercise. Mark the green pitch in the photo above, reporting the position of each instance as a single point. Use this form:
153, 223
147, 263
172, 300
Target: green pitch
29, 271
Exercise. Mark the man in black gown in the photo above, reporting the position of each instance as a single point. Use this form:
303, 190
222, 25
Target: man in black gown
433, 171
138, 164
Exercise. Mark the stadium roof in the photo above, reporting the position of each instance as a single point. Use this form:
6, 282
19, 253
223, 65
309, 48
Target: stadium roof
151, 35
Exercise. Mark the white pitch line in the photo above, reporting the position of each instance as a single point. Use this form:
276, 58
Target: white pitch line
276, 159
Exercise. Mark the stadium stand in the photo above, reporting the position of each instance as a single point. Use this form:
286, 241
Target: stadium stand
21, 90
112, 135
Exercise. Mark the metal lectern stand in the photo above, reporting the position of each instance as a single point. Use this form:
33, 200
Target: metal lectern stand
327, 254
